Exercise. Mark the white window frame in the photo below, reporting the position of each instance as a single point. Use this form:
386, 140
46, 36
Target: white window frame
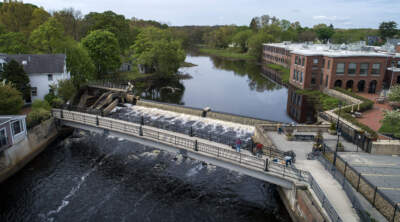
33, 90
5, 133
337, 68
364, 74
50, 75
20, 124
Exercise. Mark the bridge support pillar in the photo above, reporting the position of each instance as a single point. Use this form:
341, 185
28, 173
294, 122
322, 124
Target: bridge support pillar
196, 146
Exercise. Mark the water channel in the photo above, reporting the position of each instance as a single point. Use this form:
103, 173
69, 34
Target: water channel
95, 177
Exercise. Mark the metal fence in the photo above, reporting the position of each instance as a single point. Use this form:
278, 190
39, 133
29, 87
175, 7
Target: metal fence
349, 176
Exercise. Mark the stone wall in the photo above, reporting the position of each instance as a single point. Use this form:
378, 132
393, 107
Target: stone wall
299, 128
17, 156
386, 147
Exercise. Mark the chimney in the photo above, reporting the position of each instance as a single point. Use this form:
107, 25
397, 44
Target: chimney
398, 48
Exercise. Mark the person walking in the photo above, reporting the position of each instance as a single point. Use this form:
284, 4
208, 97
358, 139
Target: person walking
238, 144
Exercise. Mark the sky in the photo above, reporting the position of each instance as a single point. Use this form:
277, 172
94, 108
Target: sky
340, 13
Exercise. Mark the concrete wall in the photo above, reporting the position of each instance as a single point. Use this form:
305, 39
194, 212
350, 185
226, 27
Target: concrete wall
299, 128
386, 147
198, 112
17, 156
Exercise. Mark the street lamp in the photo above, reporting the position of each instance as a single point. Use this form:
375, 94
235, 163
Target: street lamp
358, 141
338, 135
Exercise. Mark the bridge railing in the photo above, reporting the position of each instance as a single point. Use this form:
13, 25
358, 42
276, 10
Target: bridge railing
192, 144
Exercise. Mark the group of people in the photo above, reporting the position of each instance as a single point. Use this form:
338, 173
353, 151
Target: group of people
257, 151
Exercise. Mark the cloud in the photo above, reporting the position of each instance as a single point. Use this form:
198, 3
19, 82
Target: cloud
331, 18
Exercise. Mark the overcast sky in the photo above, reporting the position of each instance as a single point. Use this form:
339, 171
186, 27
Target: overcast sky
341, 13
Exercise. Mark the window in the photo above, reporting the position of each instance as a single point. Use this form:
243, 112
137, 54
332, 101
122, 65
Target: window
376, 69
315, 61
364, 69
295, 60
323, 63
329, 64
34, 91
313, 81
50, 77
301, 77
16, 127
3, 137
352, 69
294, 74
340, 68
398, 64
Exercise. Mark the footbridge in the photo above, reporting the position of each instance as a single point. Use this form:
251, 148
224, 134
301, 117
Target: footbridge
210, 152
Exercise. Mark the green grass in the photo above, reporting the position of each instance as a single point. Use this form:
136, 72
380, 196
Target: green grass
227, 53
131, 75
390, 128
321, 101
284, 71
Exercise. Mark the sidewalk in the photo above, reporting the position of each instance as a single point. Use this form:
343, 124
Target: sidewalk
332, 189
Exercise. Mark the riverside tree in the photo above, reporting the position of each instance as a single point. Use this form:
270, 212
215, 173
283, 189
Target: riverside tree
11, 100
104, 51
48, 38
156, 50
14, 73
79, 64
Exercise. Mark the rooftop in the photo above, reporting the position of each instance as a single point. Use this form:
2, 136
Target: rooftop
39, 64
337, 50
4, 119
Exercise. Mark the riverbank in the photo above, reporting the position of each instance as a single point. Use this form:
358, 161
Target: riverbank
226, 53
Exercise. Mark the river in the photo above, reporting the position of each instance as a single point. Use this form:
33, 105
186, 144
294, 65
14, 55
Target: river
95, 177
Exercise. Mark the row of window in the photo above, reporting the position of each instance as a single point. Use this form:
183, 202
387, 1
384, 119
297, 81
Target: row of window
364, 68
298, 76
276, 59
276, 50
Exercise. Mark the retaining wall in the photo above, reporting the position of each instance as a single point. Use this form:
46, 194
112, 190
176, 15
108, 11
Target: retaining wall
17, 156
386, 147
299, 128
198, 112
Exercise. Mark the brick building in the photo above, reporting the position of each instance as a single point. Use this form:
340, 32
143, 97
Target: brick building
358, 67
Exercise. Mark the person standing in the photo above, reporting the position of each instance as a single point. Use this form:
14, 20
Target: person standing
259, 149
238, 144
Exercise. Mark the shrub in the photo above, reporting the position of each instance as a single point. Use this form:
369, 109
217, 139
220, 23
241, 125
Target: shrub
41, 104
11, 100
57, 102
49, 97
394, 94
37, 116
66, 89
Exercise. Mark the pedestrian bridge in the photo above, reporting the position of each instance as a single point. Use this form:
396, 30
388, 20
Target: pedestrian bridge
210, 152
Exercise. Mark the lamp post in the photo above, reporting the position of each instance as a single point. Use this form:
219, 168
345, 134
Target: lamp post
338, 135
358, 141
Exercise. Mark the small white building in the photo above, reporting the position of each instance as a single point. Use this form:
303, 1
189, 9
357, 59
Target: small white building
12, 131
43, 70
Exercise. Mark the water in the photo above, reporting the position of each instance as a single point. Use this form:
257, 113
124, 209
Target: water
232, 86
92, 177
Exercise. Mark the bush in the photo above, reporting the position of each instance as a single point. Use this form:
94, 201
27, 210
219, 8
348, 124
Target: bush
66, 89
394, 94
49, 97
57, 102
11, 100
37, 116
41, 104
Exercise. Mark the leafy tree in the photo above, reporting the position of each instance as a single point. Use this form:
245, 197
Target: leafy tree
254, 25
66, 89
256, 44
71, 21
39, 16
79, 64
394, 94
307, 36
48, 38
241, 39
16, 16
391, 123
13, 43
388, 29
104, 51
324, 32
155, 48
14, 72
11, 100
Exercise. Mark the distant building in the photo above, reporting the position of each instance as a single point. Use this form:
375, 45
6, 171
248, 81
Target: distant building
42, 70
358, 67
373, 40
12, 131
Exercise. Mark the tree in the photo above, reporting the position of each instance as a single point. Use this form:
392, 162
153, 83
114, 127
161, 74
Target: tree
155, 48
104, 51
391, 123
14, 72
16, 16
48, 38
79, 64
13, 43
254, 24
256, 44
11, 100
66, 89
324, 32
388, 29
39, 16
241, 39
394, 94
307, 36
71, 21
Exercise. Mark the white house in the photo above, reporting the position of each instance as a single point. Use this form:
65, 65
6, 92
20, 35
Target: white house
43, 71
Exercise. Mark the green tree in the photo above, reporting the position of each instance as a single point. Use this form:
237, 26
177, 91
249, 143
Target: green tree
71, 20
11, 100
307, 36
254, 24
388, 29
324, 32
66, 89
14, 72
104, 51
394, 94
256, 44
241, 39
39, 16
16, 16
156, 49
79, 64
48, 38
13, 43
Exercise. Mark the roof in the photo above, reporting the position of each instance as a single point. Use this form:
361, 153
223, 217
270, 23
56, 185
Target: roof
38, 64
335, 50
4, 119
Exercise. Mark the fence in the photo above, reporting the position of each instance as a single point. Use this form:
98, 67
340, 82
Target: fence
114, 84
351, 177
182, 141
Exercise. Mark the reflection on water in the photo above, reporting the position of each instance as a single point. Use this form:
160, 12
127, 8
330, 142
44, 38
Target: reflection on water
232, 86
300, 108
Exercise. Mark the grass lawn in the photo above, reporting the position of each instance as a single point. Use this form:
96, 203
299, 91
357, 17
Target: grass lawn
320, 99
284, 71
390, 128
227, 53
